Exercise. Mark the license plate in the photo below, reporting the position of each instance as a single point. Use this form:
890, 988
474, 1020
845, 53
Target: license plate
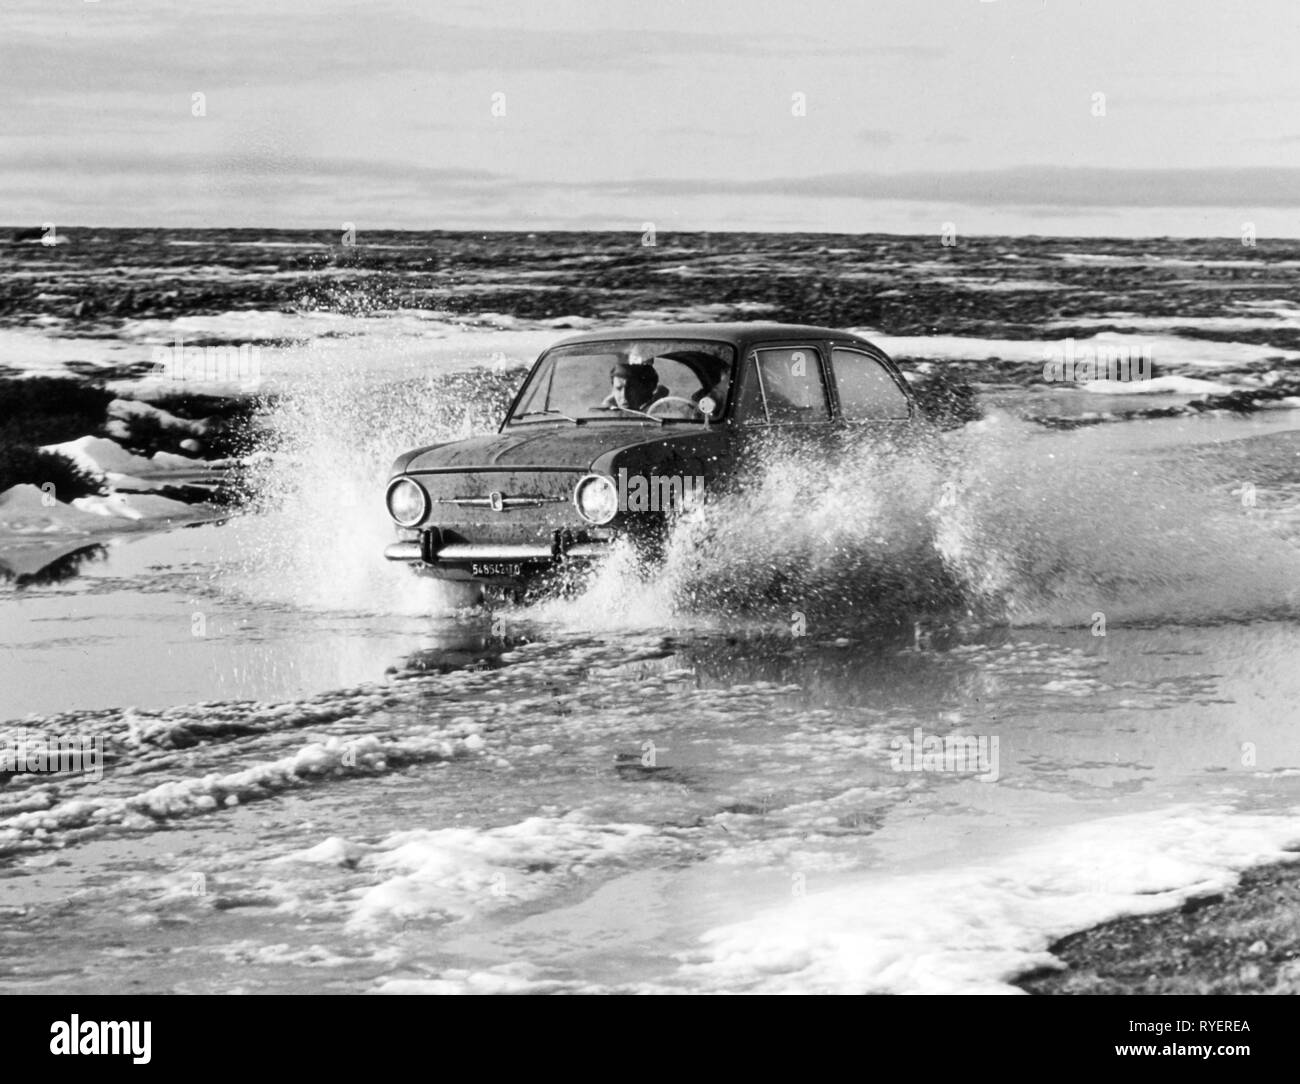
496, 568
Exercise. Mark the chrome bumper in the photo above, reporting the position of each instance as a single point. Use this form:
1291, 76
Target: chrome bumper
461, 551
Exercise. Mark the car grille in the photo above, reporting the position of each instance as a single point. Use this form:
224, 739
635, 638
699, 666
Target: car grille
502, 505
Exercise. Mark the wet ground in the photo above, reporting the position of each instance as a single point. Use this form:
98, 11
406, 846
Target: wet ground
585, 794
321, 774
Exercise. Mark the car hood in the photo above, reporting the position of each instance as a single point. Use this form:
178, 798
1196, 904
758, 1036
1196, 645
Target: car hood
540, 446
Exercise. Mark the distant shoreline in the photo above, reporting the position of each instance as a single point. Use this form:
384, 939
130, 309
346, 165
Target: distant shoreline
634, 229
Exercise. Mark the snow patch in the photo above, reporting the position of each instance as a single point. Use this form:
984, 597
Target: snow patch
127, 409
1165, 350
1160, 385
974, 928
100, 456
134, 506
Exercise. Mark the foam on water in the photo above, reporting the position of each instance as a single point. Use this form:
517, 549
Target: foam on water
460, 872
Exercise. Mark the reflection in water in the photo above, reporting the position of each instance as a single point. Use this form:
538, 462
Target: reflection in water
841, 672
465, 651
25, 570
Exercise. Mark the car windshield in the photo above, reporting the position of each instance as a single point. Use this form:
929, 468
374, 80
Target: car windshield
663, 379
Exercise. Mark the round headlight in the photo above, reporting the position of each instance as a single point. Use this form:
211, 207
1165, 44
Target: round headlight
408, 504
597, 498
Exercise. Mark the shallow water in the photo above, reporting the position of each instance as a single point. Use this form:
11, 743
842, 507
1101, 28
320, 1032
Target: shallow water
587, 812
324, 774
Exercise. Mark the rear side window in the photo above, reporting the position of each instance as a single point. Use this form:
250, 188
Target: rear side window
867, 390
789, 386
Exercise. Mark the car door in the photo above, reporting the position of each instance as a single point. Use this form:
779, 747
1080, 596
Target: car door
783, 401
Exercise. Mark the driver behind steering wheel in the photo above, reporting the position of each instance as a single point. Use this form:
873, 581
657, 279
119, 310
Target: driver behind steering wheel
633, 387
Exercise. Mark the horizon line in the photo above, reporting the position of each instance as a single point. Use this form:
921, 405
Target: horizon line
660, 232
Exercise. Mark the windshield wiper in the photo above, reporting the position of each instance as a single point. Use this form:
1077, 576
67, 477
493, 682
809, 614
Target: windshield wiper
642, 413
535, 413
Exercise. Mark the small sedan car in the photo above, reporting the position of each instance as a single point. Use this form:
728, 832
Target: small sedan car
614, 433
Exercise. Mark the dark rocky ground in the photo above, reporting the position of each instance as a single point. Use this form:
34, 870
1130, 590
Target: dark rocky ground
1007, 288
1245, 942
994, 287
982, 286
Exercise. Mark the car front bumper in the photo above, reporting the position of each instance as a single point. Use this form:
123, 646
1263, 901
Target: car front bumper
491, 562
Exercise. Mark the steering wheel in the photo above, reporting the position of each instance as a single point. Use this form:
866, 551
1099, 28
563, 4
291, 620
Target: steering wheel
671, 399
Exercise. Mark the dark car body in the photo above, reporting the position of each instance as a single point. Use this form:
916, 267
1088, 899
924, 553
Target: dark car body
535, 498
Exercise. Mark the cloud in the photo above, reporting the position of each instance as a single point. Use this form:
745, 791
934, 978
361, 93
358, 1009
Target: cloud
292, 189
245, 188
165, 167
211, 46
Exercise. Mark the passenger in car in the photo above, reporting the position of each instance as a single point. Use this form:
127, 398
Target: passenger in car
633, 387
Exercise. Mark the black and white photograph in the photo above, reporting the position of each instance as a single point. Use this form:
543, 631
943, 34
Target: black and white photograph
629, 498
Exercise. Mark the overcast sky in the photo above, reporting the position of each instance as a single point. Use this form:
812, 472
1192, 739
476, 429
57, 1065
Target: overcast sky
874, 115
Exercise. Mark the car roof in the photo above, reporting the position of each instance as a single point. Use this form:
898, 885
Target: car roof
740, 334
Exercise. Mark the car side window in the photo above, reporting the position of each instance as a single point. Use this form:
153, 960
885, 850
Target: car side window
867, 390
784, 385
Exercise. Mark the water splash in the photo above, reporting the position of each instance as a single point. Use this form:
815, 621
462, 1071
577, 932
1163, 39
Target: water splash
1000, 522
1054, 529
318, 528
806, 537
